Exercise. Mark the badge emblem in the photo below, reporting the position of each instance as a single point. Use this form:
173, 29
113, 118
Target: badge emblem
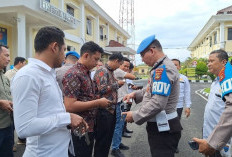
158, 73
222, 74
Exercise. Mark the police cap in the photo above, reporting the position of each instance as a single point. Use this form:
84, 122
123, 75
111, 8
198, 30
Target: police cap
145, 43
73, 53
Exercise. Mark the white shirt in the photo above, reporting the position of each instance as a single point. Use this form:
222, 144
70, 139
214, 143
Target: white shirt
39, 112
123, 90
185, 95
213, 109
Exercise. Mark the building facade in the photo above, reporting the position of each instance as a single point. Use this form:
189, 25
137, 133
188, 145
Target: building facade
216, 34
81, 20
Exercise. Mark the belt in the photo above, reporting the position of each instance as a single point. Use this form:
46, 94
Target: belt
169, 117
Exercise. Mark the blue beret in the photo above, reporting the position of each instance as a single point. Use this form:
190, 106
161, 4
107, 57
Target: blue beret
145, 43
73, 53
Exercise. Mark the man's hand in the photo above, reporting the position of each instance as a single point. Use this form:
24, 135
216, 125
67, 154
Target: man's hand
128, 97
77, 121
121, 83
204, 147
103, 103
187, 112
129, 117
6, 105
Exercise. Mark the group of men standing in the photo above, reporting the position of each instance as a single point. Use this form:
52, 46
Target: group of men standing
45, 110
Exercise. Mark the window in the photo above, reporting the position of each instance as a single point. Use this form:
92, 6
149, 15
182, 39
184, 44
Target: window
48, 1
210, 41
229, 33
70, 48
143, 70
215, 38
101, 33
118, 39
89, 26
70, 10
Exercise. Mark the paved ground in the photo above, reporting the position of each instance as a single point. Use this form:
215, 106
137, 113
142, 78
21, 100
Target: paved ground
192, 128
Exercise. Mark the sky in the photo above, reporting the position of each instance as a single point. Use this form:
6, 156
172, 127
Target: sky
175, 23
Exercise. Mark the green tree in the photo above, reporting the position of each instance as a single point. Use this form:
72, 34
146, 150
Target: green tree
183, 71
201, 69
212, 76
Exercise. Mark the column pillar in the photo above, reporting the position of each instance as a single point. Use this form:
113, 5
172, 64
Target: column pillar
97, 29
222, 35
82, 24
21, 27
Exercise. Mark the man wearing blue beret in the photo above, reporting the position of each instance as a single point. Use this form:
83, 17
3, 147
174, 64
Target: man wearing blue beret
159, 100
71, 58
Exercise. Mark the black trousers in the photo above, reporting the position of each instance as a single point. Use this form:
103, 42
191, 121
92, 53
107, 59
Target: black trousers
81, 149
162, 144
216, 154
179, 112
104, 130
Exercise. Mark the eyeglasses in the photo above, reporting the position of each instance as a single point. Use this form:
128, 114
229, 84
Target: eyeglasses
144, 52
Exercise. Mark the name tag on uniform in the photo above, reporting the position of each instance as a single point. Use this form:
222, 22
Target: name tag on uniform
162, 121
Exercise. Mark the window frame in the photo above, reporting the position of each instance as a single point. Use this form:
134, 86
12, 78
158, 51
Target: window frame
229, 35
215, 38
70, 10
88, 26
101, 33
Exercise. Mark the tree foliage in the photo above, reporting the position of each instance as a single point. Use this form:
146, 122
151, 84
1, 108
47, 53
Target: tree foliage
201, 68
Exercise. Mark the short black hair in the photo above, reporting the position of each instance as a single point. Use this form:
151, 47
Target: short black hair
46, 36
131, 66
117, 56
1, 46
19, 60
176, 60
155, 44
91, 48
221, 54
126, 59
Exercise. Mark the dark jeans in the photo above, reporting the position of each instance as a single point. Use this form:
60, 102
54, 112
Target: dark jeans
104, 130
81, 148
6, 141
162, 144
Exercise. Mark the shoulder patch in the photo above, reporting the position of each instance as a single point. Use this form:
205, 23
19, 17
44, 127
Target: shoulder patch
222, 74
158, 73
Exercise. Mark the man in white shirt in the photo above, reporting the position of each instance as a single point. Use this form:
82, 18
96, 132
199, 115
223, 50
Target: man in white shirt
39, 112
215, 105
185, 94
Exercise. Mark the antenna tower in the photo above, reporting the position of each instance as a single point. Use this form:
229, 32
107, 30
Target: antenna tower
126, 20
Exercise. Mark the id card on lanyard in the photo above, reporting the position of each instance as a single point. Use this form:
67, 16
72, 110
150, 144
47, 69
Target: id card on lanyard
162, 121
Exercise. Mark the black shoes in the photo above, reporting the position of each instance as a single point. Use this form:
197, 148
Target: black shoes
125, 134
123, 147
128, 131
117, 153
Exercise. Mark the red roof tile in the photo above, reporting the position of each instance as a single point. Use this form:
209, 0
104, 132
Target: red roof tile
228, 10
114, 43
